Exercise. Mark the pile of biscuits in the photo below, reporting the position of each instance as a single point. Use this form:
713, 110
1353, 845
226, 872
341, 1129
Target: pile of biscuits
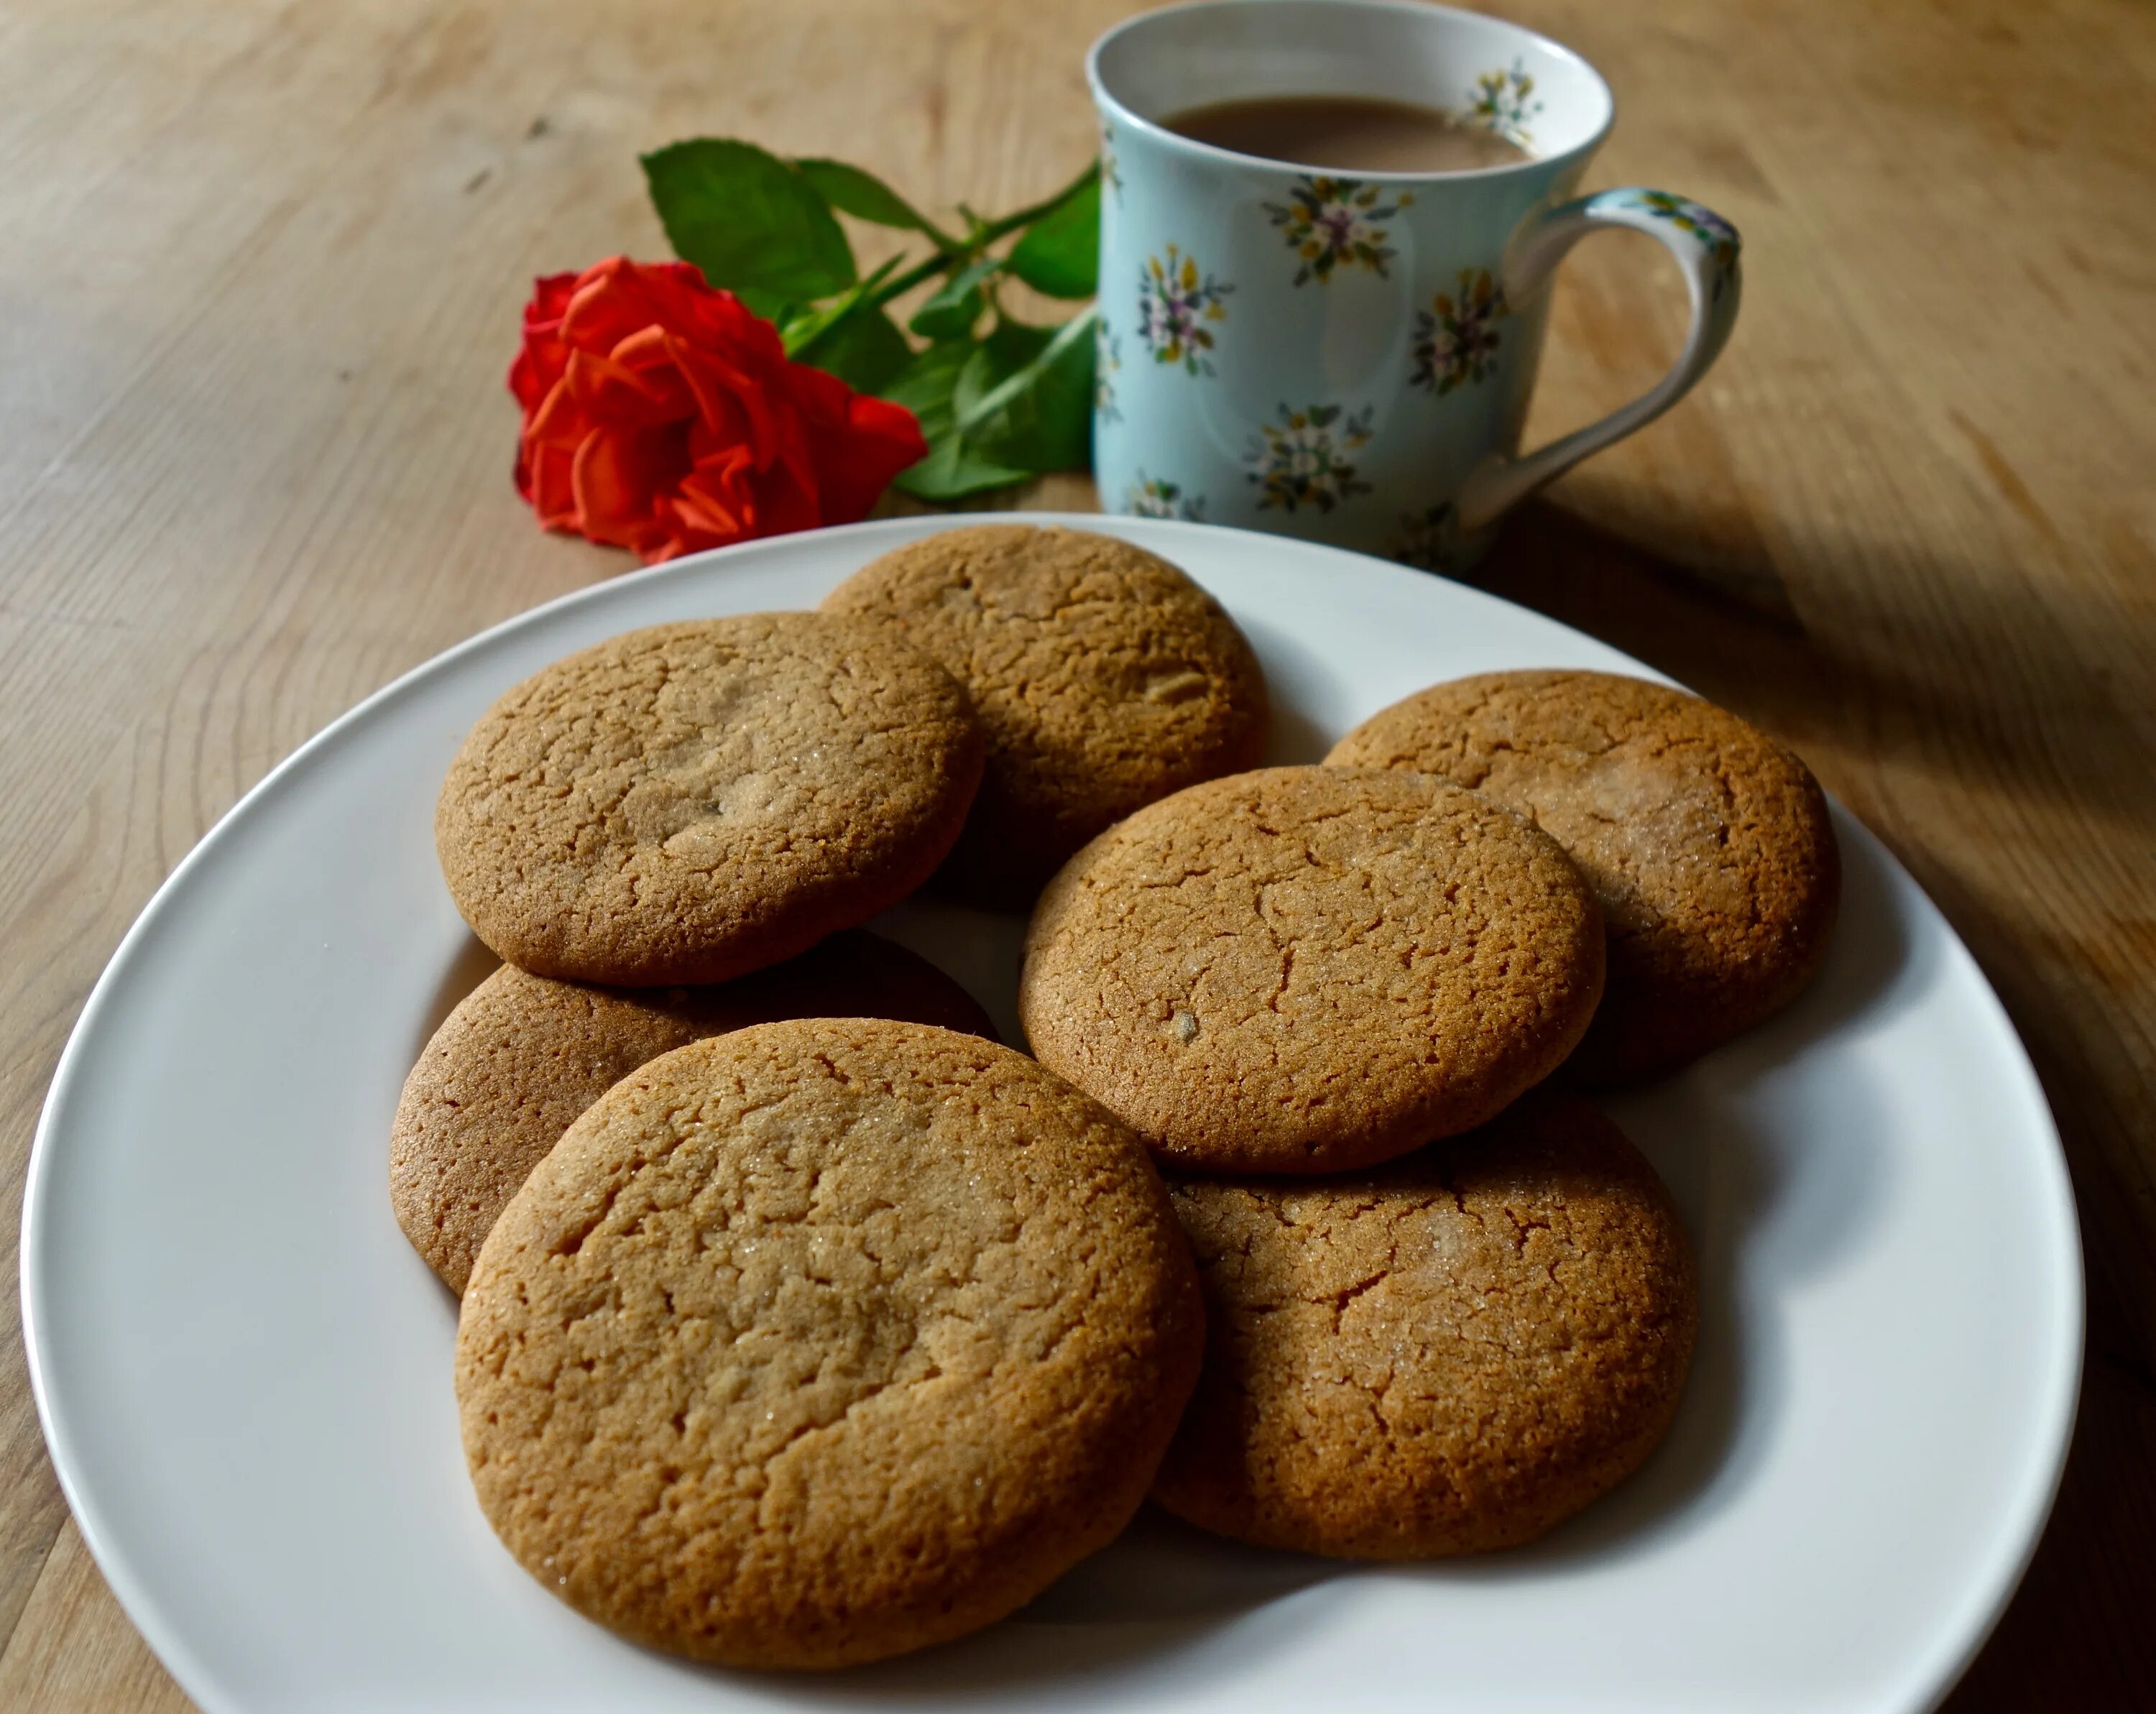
803, 1324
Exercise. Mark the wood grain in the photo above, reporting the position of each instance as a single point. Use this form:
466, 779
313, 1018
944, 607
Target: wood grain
263, 269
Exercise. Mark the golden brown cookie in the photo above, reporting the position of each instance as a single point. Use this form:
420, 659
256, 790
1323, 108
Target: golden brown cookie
1706, 843
1452, 1353
693, 802
1106, 679
523, 1055
1307, 969
823, 1341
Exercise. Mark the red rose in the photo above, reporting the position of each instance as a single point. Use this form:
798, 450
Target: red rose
661, 415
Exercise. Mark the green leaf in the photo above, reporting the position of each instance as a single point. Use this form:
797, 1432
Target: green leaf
863, 196
1025, 397
803, 327
958, 303
951, 470
863, 348
925, 386
754, 225
1060, 252
1088, 174
1009, 347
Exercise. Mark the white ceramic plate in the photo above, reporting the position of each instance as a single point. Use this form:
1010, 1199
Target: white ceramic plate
244, 1373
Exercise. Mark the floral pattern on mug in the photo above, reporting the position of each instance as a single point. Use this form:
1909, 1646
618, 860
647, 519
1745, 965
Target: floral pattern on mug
1156, 497
1429, 539
1301, 459
1108, 360
1111, 174
1175, 302
1716, 235
1329, 221
1502, 103
1456, 338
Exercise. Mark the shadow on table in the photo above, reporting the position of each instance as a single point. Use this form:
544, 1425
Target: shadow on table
1728, 626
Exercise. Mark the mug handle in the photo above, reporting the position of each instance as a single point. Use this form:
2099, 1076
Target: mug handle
1706, 247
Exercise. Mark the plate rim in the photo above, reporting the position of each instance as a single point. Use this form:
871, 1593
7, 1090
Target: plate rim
2023, 1513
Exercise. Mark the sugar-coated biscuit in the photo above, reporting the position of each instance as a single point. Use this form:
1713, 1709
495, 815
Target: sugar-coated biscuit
1105, 676
696, 801
1306, 969
823, 1341
1451, 1352
522, 1055
1708, 844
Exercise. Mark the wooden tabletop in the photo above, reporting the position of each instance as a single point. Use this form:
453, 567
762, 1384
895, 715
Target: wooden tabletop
262, 269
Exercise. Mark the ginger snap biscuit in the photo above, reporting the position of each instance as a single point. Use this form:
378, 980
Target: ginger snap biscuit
693, 802
823, 1341
1105, 676
1451, 1352
1305, 969
1708, 844
522, 1055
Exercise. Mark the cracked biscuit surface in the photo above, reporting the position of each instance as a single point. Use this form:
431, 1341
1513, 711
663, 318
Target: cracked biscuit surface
522, 1055
1707, 845
1306, 969
696, 801
1105, 676
823, 1341
1452, 1353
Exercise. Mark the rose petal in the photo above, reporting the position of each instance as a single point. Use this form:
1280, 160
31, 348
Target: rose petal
550, 298
663, 416
718, 495
617, 475
625, 397
539, 363
856, 458
618, 298
729, 394
552, 470
560, 421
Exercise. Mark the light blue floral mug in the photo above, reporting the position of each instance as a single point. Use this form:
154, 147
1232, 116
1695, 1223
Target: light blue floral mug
1350, 358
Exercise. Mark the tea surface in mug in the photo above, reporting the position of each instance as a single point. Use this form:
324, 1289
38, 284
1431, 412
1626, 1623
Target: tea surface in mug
1349, 133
